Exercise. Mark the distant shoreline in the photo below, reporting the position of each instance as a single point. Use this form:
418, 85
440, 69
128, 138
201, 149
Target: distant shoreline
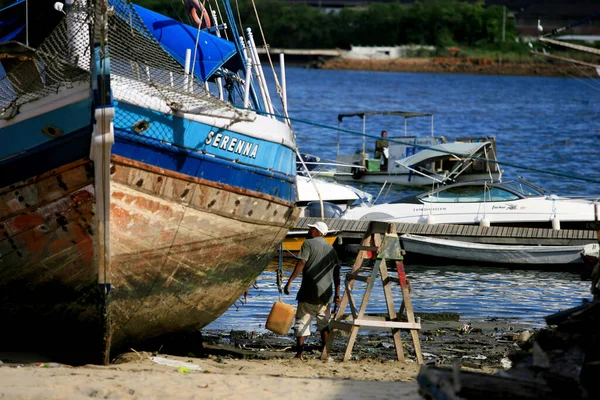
461, 66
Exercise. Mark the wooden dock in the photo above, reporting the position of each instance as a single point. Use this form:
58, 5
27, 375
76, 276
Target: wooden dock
353, 230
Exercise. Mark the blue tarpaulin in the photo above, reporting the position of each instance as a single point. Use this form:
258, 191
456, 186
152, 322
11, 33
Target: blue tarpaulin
175, 37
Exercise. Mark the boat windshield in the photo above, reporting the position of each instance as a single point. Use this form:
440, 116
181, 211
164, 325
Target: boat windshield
524, 188
469, 194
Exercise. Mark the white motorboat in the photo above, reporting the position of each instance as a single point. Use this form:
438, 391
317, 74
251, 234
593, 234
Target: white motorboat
496, 253
336, 197
417, 160
507, 203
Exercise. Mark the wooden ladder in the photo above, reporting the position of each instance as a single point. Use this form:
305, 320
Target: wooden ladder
373, 247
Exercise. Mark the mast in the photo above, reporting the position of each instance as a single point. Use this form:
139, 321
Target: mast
100, 153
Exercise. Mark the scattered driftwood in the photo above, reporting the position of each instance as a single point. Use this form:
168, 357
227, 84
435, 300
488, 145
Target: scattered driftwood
561, 361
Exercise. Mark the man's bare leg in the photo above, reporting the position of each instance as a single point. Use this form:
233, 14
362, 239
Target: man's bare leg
300, 347
324, 336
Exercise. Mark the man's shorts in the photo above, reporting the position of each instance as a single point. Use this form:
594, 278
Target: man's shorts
305, 313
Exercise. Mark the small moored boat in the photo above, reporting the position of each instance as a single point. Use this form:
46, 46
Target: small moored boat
417, 160
495, 253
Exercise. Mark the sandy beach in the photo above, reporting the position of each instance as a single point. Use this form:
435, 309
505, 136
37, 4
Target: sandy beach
246, 365
234, 379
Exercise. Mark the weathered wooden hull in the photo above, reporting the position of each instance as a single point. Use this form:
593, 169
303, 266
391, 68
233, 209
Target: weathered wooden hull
183, 250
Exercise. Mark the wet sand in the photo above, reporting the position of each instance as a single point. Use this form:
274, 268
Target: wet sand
248, 365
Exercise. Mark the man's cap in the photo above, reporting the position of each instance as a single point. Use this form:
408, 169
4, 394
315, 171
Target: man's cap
320, 226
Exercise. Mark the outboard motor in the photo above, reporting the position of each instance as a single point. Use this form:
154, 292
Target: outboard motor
330, 210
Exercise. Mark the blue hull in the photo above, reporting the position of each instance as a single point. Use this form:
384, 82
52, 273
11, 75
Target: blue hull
269, 172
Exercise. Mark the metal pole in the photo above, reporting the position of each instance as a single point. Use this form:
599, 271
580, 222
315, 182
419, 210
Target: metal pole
364, 133
284, 88
247, 84
27, 23
186, 81
259, 73
337, 153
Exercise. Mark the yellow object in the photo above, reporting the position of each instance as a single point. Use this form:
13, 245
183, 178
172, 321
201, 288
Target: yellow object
295, 243
280, 318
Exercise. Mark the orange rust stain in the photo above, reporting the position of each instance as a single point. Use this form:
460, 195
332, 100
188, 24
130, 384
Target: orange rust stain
81, 196
59, 244
23, 222
86, 248
36, 246
117, 195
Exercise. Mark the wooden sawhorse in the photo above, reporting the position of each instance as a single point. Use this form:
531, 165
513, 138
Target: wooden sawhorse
374, 247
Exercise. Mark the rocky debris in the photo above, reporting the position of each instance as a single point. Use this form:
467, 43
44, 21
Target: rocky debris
483, 347
561, 361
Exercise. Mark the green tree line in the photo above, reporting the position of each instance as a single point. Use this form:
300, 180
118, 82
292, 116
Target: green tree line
427, 22
440, 23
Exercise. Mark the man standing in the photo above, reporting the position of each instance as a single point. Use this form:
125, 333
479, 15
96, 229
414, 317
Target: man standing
320, 268
381, 146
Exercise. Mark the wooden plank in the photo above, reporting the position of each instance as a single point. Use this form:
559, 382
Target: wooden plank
517, 232
364, 226
351, 301
392, 279
346, 324
353, 225
400, 228
389, 300
469, 231
351, 340
564, 234
411, 319
357, 277
369, 248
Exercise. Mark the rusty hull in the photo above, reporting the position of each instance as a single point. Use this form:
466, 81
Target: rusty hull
182, 251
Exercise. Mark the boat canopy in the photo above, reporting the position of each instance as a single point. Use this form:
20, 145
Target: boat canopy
176, 37
445, 150
363, 114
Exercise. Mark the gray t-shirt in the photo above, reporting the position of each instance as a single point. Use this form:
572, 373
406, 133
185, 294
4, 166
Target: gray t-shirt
317, 275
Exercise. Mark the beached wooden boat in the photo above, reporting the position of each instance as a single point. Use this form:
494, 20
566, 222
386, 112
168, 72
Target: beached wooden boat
495, 253
133, 203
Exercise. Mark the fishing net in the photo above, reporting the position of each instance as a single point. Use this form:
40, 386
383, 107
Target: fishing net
143, 74
58, 64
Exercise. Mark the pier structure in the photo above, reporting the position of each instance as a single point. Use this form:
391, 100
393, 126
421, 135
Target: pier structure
352, 231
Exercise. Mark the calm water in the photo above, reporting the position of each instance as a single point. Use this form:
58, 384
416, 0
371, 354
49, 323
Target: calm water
547, 130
